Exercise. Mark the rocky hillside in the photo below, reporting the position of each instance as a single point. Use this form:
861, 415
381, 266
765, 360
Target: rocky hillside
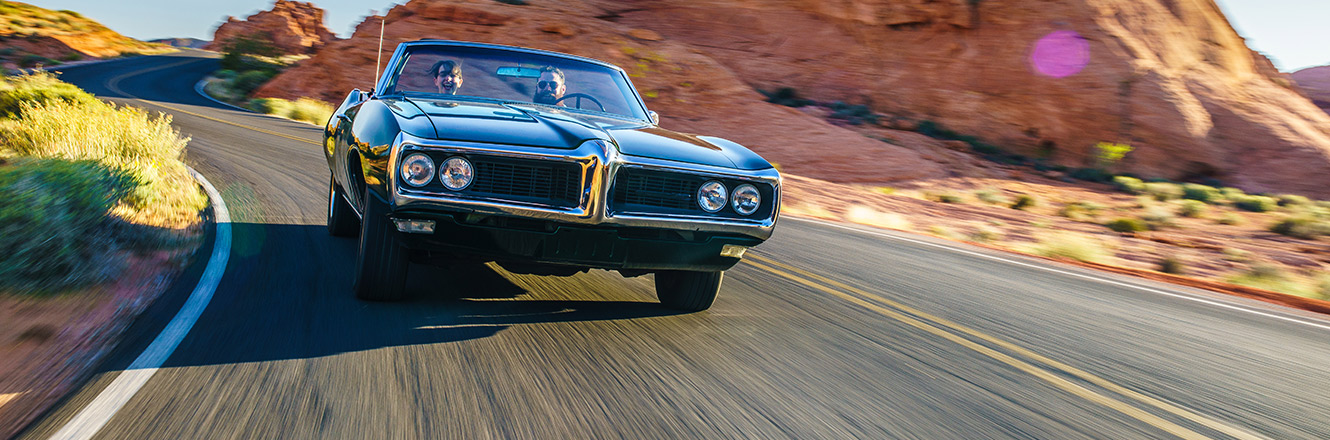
193, 43
293, 27
27, 30
1315, 82
1045, 79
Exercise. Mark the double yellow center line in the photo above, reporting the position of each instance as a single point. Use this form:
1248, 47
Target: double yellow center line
1048, 372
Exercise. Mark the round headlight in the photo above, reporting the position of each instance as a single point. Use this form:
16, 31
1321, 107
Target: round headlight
711, 196
456, 173
746, 199
417, 169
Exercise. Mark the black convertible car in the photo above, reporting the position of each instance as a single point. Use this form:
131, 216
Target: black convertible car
542, 162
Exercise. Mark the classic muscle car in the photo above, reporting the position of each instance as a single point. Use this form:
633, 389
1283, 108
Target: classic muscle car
542, 162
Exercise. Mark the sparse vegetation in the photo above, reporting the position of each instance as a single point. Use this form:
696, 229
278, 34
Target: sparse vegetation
1293, 200
1192, 208
1080, 210
1163, 191
1130, 185
786, 96
1302, 226
986, 234
943, 197
76, 168
1158, 217
1276, 278
1172, 265
1201, 193
990, 196
853, 114
1127, 225
1072, 246
1230, 219
1255, 203
1025, 201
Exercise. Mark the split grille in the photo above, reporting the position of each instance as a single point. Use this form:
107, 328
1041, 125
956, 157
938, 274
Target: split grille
656, 190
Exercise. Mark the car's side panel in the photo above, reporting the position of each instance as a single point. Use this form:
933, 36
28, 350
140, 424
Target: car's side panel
368, 143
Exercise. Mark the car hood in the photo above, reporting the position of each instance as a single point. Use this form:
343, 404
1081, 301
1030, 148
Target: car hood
539, 126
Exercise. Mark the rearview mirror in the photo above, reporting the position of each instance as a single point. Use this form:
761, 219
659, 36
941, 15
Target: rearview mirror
518, 72
655, 117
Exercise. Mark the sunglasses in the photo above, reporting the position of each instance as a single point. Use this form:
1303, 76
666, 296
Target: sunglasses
547, 84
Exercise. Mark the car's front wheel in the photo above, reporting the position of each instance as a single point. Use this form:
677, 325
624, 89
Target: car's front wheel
688, 290
342, 222
381, 264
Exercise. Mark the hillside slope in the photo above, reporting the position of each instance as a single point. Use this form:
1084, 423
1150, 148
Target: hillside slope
61, 35
1315, 81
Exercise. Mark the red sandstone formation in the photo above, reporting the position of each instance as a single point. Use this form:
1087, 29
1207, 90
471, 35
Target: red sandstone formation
293, 27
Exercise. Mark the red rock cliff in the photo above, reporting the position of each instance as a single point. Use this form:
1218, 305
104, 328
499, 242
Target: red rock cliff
1044, 78
1315, 82
293, 27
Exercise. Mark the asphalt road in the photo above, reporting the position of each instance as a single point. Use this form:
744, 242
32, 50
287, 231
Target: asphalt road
824, 332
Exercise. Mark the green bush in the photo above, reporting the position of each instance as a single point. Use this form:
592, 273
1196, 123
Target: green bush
273, 106
247, 82
990, 196
1203, 193
1304, 227
1126, 225
1129, 185
311, 110
1293, 200
53, 223
1164, 191
943, 197
1193, 208
1172, 265
1231, 194
225, 74
1229, 219
1090, 174
1080, 210
1025, 201
36, 89
1158, 217
32, 60
787, 97
1255, 203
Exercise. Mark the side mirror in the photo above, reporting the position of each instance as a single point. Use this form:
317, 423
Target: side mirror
655, 117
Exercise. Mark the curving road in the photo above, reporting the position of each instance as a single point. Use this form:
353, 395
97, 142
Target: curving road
824, 332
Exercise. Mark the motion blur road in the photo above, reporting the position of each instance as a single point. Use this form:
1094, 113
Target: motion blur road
825, 331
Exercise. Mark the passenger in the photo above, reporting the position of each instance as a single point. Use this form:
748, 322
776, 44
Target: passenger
447, 76
550, 86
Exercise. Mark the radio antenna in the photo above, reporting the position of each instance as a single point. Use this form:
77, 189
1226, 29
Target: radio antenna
383, 21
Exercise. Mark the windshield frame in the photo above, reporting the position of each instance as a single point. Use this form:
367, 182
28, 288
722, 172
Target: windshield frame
398, 62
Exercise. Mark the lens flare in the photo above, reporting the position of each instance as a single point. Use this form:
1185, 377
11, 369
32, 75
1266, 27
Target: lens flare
1060, 54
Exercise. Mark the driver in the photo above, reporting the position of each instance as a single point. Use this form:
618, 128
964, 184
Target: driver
447, 76
550, 86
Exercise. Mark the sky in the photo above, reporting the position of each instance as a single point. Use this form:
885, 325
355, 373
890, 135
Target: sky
1292, 33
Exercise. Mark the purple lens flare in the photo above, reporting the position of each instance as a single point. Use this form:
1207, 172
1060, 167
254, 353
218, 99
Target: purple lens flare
1060, 54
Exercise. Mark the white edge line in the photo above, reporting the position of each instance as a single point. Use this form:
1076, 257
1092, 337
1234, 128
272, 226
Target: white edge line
198, 88
93, 417
1189, 297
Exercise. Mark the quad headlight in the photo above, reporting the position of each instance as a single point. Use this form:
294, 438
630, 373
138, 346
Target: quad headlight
417, 169
711, 197
456, 173
746, 199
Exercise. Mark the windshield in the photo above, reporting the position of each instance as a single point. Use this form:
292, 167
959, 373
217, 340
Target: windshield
513, 76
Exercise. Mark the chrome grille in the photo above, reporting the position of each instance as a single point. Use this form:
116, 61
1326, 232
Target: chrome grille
660, 190
527, 180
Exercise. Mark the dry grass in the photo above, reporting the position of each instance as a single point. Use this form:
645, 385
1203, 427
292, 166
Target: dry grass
303, 109
1072, 246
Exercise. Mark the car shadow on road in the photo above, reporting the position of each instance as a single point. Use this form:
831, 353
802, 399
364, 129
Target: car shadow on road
287, 295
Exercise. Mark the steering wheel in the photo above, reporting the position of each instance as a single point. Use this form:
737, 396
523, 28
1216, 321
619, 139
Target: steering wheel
579, 97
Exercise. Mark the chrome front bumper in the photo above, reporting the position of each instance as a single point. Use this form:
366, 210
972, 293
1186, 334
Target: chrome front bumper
600, 163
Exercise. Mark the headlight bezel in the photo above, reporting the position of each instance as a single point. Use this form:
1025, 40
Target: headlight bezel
406, 167
735, 199
702, 199
444, 179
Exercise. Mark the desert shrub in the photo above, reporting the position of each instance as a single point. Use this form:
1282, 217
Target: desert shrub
1025, 201
1275, 278
1158, 217
1229, 219
986, 234
854, 114
1231, 194
1130, 185
248, 52
72, 56
245, 83
990, 196
1202, 193
1080, 210
1192, 208
1163, 191
1301, 226
884, 190
1071, 246
1292, 200
943, 197
1172, 265
36, 89
1235, 254
272, 106
311, 110
126, 140
1126, 225
944, 232
1255, 203
53, 223
786, 96
33, 60
225, 74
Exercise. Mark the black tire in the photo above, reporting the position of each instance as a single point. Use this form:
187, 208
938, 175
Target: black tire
686, 290
381, 264
342, 222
